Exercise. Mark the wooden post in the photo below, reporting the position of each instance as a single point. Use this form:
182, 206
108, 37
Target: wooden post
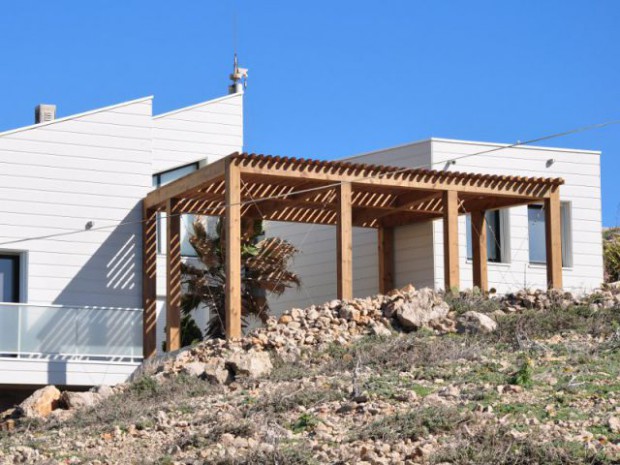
149, 283
385, 240
173, 275
553, 240
451, 240
344, 242
233, 251
479, 249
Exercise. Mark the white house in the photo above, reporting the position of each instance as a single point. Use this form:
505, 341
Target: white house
71, 192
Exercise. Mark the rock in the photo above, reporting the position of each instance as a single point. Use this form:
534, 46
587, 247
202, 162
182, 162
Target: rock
251, 364
41, 403
614, 424
217, 373
195, 369
420, 309
475, 323
285, 319
78, 400
103, 390
379, 330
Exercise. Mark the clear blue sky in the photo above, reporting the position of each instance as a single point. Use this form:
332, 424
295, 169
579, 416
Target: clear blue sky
333, 78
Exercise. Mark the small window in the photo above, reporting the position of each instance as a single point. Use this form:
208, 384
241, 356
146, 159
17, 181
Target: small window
187, 221
9, 278
536, 232
497, 240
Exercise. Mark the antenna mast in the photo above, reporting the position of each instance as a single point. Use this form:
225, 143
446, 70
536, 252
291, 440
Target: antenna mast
239, 78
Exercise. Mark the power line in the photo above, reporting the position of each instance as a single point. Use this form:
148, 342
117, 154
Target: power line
336, 184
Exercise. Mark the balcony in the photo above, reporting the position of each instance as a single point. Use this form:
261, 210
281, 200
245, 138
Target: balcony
49, 344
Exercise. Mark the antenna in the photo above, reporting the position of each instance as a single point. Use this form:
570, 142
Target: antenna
239, 78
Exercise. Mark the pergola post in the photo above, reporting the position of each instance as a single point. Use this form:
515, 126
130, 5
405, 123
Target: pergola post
479, 249
173, 275
553, 240
344, 242
385, 241
233, 250
149, 283
451, 239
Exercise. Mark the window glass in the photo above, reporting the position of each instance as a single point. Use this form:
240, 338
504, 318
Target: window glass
536, 226
536, 233
494, 236
161, 179
9, 278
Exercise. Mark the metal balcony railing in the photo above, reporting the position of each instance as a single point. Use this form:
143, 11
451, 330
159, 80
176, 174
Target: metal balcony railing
58, 332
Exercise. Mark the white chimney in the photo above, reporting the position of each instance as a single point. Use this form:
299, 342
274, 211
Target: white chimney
44, 113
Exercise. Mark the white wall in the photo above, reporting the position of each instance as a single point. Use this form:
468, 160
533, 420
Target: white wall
208, 130
54, 178
581, 173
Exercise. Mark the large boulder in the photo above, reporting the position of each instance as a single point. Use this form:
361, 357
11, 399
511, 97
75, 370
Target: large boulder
475, 323
41, 403
251, 364
79, 400
418, 309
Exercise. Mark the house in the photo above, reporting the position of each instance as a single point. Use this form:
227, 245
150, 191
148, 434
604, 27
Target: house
71, 192
89, 261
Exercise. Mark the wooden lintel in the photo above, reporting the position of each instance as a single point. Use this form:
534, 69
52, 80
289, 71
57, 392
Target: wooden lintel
424, 182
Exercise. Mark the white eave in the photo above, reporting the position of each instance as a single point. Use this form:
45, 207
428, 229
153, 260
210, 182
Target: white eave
198, 105
77, 115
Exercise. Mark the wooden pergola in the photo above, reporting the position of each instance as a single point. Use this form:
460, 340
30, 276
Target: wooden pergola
336, 193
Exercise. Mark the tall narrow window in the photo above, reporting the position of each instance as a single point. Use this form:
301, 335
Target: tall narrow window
536, 233
9, 278
187, 221
497, 242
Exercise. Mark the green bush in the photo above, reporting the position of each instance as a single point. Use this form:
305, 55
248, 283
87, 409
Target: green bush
611, 255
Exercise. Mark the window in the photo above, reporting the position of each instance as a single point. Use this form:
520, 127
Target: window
187, 221
536, 232
497, 238
9, 278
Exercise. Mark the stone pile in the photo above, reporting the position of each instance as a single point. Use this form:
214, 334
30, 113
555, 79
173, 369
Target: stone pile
606, 297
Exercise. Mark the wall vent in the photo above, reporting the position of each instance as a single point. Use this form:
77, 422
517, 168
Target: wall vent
44, 113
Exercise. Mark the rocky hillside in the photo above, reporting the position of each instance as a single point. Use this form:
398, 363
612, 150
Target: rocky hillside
412, 377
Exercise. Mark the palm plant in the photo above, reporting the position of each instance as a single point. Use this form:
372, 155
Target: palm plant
264, 268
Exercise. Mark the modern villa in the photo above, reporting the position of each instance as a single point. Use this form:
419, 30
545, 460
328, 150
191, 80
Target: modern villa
89, 264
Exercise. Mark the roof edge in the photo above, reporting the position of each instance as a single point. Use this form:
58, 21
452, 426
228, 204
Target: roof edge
197, 105
74, 116
524, 145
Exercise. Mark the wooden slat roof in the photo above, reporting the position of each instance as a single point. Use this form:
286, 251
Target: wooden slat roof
303, 190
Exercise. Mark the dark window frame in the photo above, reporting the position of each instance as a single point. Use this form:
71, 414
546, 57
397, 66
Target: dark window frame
16, 259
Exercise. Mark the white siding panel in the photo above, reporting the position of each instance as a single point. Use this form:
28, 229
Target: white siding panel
210, 130
55, 178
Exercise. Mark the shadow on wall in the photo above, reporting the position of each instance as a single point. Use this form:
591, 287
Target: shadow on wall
111, 277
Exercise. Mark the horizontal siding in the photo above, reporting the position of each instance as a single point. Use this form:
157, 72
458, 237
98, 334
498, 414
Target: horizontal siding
57, 177
207, 131
581, 172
